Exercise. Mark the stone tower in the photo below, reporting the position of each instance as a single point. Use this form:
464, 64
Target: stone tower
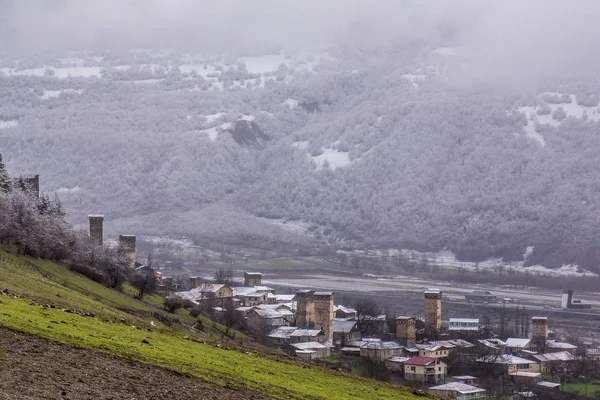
97, 229
406, 330
127, 246
252, 279
540, 333
433, 310
324, 313
305, 309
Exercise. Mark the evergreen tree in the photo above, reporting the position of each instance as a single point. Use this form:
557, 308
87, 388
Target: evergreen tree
5, 183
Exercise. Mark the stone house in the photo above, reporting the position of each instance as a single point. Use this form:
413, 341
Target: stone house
344, 332
378, 352
510, 363
310, 351
263, 321
346, 313
427, 370
458, 391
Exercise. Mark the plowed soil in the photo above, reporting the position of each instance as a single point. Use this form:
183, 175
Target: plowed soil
36, 368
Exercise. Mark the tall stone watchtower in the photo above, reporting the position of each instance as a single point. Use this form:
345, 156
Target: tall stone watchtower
97, 229
305, 309
127, 246
252, 279
324, 313
540, 333
433, 310
406, 330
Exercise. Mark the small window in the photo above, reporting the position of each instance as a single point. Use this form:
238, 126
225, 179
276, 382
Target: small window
439, 368
413, 369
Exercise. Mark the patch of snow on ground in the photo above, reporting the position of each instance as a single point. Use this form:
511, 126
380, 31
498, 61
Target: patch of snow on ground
264, 63
69, 190
212, 133
300, 145
291, 103
448, 51
447, 258
213, 117
49, 94
12, 123
571, 109
334, 158
61, 73
414, 79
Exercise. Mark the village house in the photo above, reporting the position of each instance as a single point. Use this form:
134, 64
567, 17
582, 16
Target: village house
555, 346
300, 335
396, 364
378, 352
548, 361
492, 346
342, 312
264, 321
459, 391
436, 351
480, 296
466, 379
427, 370
310, 351
345, 332
281, 335
510, 363
463, 325
593, 353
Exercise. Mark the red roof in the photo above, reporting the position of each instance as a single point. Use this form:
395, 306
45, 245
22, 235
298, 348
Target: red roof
419, 360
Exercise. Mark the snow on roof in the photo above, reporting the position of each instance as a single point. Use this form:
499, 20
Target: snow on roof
268, 313
253, 273
309, 346
429, 347
539, 318
559, 356
432, 290
464, 377
305, 332
343, 326
284, 297
548, 384
485, 293
323, 293
282, 332
464, 320
493, 343
263, 288
420, 360
242, 290
461, 388
96, 216
505, 359
560, 345
526, 374
517, 342
345, 310
399, 359
381, 345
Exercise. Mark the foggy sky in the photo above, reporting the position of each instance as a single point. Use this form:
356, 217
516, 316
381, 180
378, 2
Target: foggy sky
505, 37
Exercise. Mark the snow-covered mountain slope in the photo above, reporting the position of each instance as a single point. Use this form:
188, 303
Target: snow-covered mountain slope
387, 149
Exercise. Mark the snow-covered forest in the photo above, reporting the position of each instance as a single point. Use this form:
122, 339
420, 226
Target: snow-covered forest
395, 146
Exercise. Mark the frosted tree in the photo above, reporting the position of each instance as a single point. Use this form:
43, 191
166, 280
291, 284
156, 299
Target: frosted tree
5, 182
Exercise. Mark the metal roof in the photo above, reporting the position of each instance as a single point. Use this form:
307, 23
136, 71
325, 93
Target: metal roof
517, 342
343, 326
559, 356
420, 360
461, 388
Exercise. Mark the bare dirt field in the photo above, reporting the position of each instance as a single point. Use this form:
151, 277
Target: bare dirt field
34, 368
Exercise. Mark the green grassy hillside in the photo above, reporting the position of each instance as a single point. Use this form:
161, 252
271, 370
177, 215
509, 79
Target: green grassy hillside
48, 300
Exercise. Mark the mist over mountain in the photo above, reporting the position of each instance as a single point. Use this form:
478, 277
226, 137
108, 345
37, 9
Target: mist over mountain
456, 125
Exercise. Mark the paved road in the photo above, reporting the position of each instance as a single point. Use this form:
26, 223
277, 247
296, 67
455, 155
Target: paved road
366, 285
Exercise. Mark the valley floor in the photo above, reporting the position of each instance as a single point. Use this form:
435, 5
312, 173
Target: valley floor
36, 368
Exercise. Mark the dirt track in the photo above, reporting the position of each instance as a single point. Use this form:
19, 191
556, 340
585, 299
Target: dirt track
34, 368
